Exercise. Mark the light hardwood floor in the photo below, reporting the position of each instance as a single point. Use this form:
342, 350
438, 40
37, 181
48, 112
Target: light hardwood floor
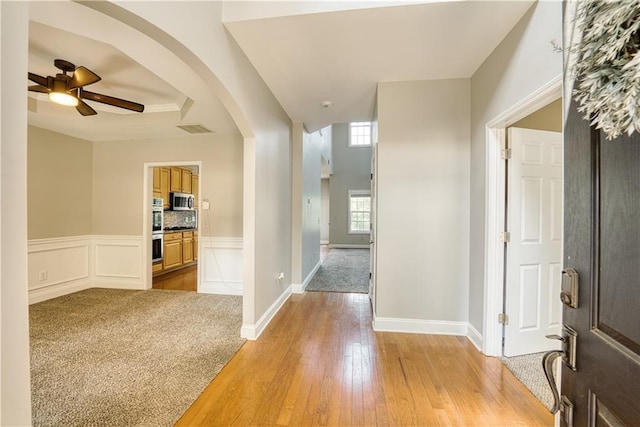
320, 363
185, 279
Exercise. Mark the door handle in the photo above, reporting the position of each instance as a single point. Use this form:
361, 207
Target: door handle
547, 364
568, 357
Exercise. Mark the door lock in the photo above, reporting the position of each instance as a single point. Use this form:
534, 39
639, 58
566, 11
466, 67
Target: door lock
569, 292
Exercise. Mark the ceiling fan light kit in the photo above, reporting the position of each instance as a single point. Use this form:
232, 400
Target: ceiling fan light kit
69, 90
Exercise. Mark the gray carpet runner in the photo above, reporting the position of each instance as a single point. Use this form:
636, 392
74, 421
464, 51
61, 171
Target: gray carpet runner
528, 369
343, 270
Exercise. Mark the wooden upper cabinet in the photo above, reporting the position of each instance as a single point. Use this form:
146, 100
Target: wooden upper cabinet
176, 180
195, 179
165, 179
185, 184
156, 180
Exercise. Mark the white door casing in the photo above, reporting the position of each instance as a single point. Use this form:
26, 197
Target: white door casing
534, 252
372, 232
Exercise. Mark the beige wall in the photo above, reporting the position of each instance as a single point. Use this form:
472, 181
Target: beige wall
59, 177
522, 63
548, 118
423, 200
118, 175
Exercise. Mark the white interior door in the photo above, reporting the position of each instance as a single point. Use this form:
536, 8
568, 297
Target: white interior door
534, 251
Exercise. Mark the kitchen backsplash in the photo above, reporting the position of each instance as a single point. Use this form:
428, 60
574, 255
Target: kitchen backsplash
174, 219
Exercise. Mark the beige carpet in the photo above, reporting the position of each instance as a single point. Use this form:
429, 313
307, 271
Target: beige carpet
127, 358
528, 369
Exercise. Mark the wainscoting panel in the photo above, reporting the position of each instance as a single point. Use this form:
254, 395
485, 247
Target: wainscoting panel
57, 267
118, 262
221, 266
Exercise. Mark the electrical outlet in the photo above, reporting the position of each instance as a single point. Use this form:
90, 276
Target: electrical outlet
44, 274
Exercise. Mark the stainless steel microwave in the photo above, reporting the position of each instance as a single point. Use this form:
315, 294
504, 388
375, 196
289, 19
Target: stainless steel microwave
182, 202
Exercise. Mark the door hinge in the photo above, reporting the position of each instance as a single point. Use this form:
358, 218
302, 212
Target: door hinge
372, 177
505, 236
369, 275
503, 318
505, 153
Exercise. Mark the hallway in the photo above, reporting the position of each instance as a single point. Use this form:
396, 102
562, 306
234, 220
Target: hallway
320, 363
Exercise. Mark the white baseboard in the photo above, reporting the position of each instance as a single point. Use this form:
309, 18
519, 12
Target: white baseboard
220, 288
55, 291
475, 337
252, 332
416, 326
220, 266
347, 246
299, 289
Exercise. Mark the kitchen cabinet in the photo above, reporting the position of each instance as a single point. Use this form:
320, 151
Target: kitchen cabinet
157, 191
195, 180
172, 256
156, 267
185, 181
165, 178
176, 180
195, 246
187, 247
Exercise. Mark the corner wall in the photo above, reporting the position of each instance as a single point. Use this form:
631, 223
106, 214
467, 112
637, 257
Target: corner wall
523, 62
15, 390
423, 206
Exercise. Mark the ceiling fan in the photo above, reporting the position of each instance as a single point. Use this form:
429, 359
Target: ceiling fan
67, 88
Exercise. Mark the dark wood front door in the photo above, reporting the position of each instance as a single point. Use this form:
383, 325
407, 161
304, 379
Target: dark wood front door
602, 243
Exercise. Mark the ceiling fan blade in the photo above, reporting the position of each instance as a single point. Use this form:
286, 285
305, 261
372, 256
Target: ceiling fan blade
38, 79
82, 77
39, 88
110, 100
84, 108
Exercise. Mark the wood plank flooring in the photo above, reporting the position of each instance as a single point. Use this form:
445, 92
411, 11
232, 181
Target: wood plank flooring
185, 279
320, 363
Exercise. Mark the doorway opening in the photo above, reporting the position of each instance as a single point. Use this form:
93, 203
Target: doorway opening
172, 253
495, 208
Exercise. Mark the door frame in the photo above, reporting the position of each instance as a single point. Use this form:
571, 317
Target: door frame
147, 183
495, 184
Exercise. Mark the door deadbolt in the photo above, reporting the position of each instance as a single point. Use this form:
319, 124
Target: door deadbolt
569, 292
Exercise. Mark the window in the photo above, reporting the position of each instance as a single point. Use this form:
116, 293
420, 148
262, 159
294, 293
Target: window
359, 211
360, 134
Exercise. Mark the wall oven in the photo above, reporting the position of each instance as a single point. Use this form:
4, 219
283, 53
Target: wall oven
156, 215
156, 247
157, 228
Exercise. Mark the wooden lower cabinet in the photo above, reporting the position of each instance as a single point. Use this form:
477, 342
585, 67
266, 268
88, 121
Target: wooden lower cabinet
172, 256
195, 246
187, 247
179, 249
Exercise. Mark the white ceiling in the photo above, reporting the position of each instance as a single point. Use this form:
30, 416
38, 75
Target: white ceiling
305, 59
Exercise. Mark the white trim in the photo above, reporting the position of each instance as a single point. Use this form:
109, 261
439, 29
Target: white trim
347, 246
474, 336
494, 208
252, 332
220, 262
299, 289
418, 326
324, 242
